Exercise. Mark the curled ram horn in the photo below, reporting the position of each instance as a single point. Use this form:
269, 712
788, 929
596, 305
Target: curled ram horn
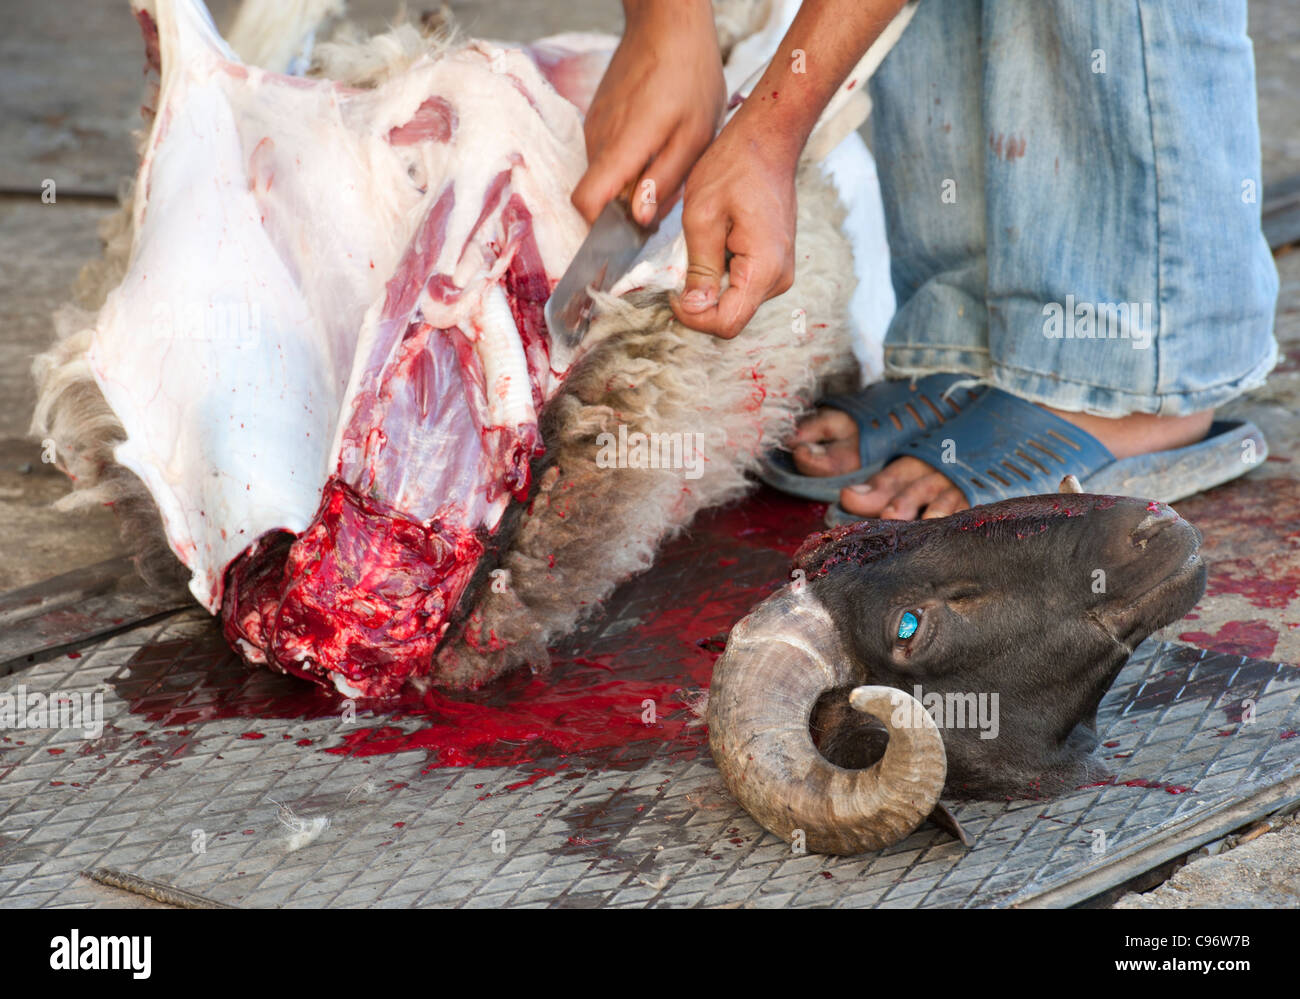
1070, 484
779, 661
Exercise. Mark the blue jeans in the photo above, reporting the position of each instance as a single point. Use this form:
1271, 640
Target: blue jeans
1072, 196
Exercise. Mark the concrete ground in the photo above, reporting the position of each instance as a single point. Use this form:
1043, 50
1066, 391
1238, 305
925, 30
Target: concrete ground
69, 93
1255, 871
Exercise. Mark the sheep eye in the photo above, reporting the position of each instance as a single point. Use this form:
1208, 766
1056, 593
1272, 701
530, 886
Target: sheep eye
907, 626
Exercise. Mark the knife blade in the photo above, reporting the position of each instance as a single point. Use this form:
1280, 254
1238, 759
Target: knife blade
606, 254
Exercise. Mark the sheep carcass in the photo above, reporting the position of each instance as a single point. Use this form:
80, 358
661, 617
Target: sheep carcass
325, 358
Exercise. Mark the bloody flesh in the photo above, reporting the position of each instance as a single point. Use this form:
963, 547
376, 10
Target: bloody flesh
364, 593
363, 596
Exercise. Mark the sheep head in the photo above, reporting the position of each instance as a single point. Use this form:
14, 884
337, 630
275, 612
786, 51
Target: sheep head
1022, 611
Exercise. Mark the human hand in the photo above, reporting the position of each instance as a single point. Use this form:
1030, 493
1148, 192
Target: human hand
740, 200
655, 111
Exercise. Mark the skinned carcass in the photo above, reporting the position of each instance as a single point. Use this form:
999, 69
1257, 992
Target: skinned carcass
963, 656
315, 355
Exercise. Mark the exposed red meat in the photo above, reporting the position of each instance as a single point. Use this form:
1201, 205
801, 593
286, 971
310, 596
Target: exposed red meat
435, 119
364, 594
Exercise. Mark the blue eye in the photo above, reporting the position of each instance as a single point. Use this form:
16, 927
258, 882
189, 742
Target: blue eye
907, 625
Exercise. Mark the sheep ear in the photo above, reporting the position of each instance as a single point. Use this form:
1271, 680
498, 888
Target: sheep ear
1070, 484
946, 821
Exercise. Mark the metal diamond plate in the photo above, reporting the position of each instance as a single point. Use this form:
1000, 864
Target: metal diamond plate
251, 789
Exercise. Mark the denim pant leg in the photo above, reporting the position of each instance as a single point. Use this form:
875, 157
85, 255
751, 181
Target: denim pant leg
1126, 271
927, 133
1123, 170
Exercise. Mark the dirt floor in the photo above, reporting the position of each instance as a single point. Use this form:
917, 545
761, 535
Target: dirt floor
69, 93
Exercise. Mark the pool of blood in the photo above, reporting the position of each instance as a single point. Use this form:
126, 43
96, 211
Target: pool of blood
615, 693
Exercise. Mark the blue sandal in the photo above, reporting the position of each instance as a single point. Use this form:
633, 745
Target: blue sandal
888, 415
1003, 447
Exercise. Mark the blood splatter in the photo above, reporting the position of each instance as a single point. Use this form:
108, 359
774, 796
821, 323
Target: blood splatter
1254, 639
1153, 785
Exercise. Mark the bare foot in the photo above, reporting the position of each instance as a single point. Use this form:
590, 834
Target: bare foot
826, 443
908, 488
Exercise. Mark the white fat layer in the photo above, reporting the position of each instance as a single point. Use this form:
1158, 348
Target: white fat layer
270, 213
